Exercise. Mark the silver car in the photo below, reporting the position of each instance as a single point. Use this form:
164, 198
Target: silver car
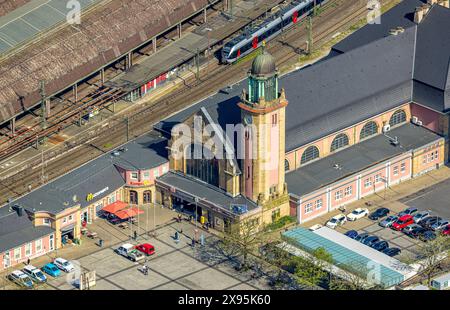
420, 216
440, 224
387, 222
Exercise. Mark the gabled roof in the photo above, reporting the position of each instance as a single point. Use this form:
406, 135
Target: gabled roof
17, 230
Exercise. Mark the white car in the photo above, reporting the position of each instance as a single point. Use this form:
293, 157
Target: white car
35, 274
64, 264
357, 214
339, 219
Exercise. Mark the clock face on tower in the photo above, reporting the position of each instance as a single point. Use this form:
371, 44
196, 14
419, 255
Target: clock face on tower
248, 120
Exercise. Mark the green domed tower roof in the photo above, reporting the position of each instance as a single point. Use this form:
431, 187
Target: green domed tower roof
263, 79
263, 65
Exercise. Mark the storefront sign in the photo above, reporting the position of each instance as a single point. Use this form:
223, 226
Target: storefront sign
92, 196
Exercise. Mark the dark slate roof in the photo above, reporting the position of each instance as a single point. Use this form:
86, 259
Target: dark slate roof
73, 188
145, 152
99, 175
433, 49
17, 230
401, 15
357, 158
204, 191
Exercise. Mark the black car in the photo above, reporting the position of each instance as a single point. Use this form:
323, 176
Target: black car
427, 236
371, 240
429, 221
362, 237
392, 251
379, 213
351, 234
415, 233
380, 245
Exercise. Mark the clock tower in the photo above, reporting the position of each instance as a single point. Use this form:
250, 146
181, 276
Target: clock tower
263, 115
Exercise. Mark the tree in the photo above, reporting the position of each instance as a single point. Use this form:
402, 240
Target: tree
430, 254
312, 272
242, 240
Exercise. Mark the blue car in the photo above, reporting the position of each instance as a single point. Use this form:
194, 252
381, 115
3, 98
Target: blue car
351, 234
51, 270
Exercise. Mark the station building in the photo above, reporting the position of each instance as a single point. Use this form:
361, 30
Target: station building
370, 115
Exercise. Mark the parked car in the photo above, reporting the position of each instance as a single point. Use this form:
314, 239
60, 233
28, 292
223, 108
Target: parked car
392, 251
64, 264
402, 222
379, 213
429, 221
51, 270
35, 274
440, 224
369, 241
415, 233
410, 228
380, 245
446, 230
362, 237
418, 217
21, 279
408, 211
357, 214
129, 251
387, 222
427, 236
146, 248
339, 219
351, 234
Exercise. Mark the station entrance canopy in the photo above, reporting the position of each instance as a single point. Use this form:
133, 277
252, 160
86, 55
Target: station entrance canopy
115, 207
126, 214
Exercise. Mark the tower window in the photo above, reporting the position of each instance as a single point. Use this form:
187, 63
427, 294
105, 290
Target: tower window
274, 119
286, 165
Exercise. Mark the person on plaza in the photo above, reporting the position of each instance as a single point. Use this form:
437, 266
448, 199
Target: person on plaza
28, 261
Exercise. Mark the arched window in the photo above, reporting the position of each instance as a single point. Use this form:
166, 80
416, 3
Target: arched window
397, 118
309, 154
369, 129
340, 141
147, 197
286, 165
134, 197
202, 164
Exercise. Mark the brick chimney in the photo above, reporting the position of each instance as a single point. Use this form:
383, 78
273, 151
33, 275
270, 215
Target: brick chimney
444, 3
421, 11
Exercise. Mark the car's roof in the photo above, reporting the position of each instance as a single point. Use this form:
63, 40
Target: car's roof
405, 217
50, 265
127, 245
147, 245
18, 273
338, 216
60, 259
29, 267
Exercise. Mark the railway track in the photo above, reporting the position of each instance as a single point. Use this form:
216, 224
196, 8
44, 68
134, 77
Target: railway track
114, 134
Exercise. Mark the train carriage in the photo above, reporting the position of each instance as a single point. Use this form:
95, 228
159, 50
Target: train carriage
253, 38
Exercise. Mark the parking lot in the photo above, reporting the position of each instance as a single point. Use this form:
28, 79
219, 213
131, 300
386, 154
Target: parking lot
434, 199
174, 266
427, 193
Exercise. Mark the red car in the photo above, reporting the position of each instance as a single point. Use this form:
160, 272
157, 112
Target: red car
402, 222
446, 230
146, 248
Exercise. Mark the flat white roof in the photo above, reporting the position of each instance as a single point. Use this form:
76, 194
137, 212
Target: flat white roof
443, 278
364, 250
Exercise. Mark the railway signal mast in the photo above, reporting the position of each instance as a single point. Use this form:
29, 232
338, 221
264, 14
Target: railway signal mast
43, 107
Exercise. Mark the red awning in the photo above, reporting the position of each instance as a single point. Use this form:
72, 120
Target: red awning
115, 206
124, 214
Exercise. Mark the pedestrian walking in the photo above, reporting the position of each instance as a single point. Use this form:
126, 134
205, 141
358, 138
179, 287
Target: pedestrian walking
28, 261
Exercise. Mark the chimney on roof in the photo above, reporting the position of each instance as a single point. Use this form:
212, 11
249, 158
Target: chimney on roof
396, 31
444, 3
431, 2
420, 12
